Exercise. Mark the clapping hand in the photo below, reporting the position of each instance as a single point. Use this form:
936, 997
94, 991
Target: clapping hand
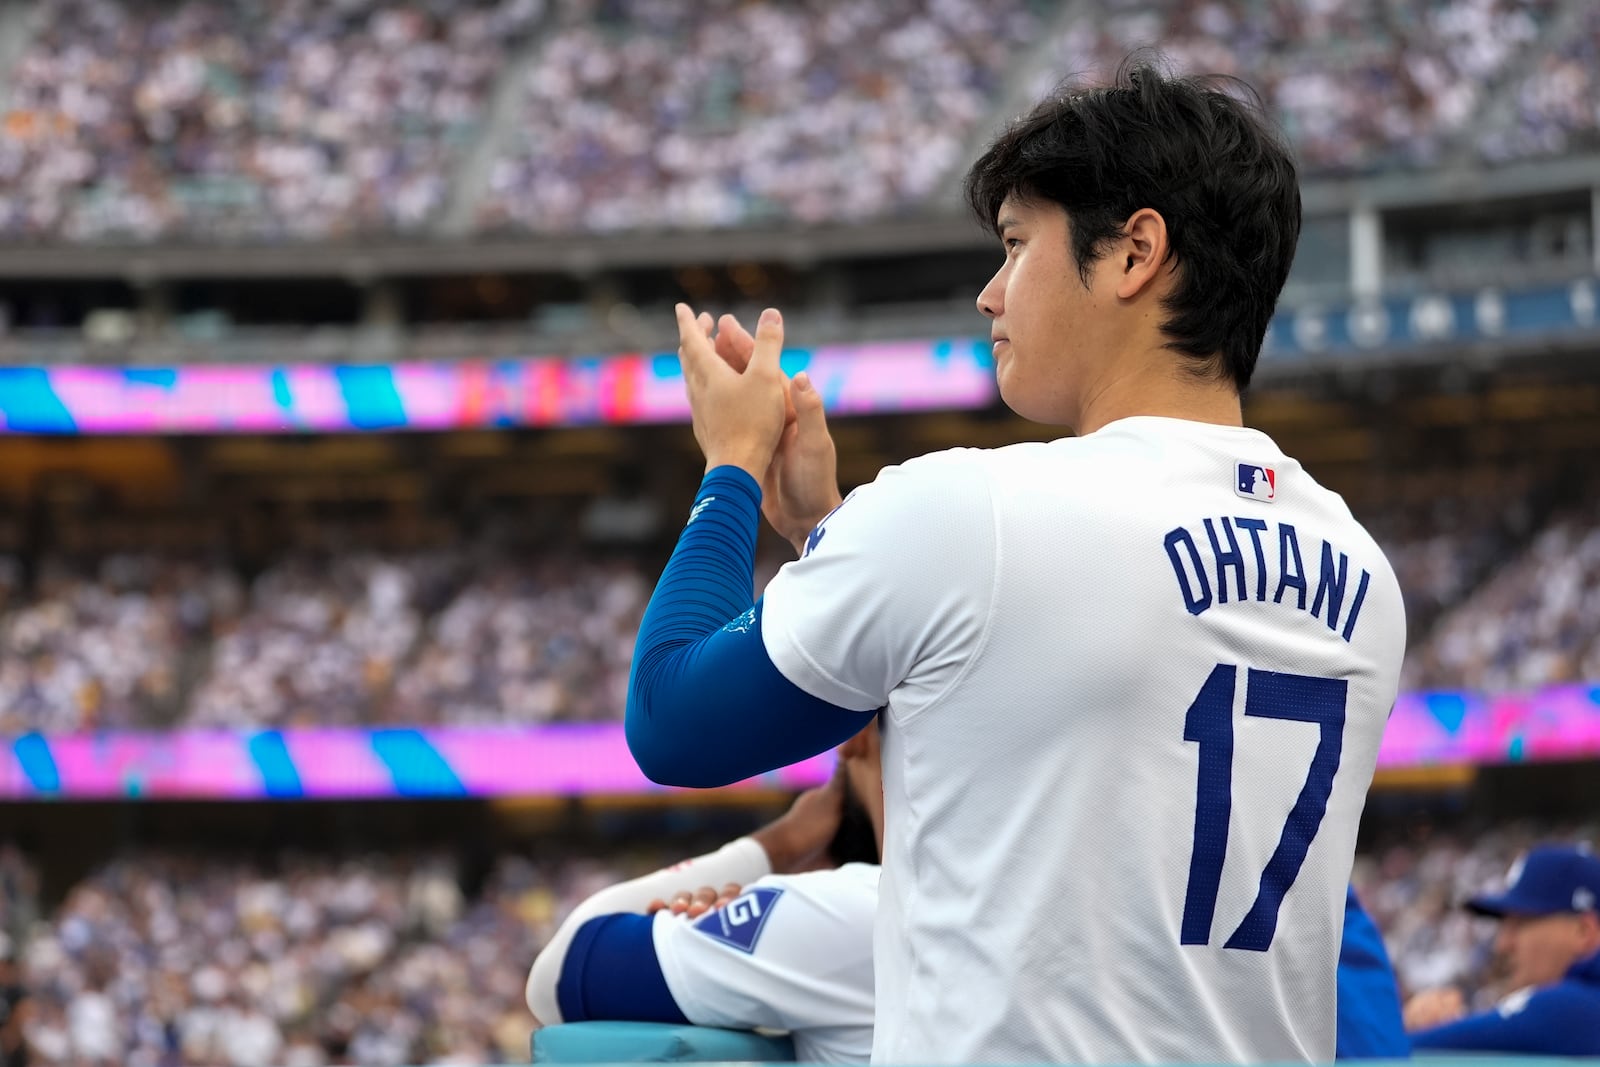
800, 479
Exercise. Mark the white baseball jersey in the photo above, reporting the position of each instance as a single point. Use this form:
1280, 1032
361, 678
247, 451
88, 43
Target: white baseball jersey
793, 952
1135, 685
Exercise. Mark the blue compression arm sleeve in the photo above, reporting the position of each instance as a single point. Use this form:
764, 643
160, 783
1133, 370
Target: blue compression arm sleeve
611, 972
706, 705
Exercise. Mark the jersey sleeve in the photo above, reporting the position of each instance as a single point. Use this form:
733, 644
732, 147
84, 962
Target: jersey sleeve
1555, 1021
893, 589
791, 953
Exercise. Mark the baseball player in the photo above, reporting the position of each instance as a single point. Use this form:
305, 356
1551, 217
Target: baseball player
775, 946
1133, 681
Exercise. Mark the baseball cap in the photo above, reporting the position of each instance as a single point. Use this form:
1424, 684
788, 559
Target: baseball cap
1549, 880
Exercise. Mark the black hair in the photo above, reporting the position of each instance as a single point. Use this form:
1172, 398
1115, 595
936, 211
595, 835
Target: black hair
1198, 150
855, 841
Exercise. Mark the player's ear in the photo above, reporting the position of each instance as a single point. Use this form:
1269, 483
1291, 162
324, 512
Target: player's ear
1141, 252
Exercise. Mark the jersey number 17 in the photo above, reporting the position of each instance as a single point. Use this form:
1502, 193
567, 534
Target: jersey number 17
1268, 695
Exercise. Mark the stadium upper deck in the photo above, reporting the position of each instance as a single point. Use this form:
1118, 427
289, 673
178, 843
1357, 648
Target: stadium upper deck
203, 120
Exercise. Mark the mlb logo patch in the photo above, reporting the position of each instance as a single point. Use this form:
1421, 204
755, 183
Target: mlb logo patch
1257, 483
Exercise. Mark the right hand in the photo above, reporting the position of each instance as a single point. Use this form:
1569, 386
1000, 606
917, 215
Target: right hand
696, 902
739, 413
801, 485
1434, 1007
798, 839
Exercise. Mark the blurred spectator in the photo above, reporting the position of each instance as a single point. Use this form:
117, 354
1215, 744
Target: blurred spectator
650, 114
298, 120
1536, 622
320, 641
380, 959
1358, 84
1439, 537
474, 636
89, 652
376, 960
1557, 105
526, 645
288, 118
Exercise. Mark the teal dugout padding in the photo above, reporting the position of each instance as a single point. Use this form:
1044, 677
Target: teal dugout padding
617, 1042
623, 1042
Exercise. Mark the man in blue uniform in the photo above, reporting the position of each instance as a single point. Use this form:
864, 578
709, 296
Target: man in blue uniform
1549, 938
1368, 1022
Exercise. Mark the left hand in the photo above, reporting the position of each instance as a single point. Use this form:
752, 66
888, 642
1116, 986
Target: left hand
739, 416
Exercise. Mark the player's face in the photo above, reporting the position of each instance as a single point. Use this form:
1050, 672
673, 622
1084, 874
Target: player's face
1046, 326
1539, 950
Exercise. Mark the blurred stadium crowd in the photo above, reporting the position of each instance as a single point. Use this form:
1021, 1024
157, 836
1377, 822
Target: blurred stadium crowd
383, 960
162, 959
247, 118
282, 120
314, 640
1500, 598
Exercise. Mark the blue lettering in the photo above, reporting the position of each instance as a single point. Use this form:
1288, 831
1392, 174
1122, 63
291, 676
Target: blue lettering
1331, 585
1232, 558
1289, 549
1195, 603
1256, 527
1355, 608
813, 539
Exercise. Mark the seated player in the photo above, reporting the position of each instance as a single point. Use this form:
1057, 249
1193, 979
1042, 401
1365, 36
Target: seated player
784, 946
1549, 939
810, 971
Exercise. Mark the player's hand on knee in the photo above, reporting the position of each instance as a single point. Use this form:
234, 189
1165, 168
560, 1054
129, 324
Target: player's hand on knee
739, 414
1434, 1007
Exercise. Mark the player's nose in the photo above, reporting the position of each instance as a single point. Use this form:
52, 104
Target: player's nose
991, 301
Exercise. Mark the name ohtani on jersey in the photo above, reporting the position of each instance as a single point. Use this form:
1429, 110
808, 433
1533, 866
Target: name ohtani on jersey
1278, 570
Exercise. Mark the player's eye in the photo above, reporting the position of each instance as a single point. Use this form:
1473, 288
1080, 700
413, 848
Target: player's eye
1012, 244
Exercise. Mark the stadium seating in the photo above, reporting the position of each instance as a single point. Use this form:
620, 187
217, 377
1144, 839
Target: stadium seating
472, 637
381, 959
289, 121
233, 119
1359, 86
